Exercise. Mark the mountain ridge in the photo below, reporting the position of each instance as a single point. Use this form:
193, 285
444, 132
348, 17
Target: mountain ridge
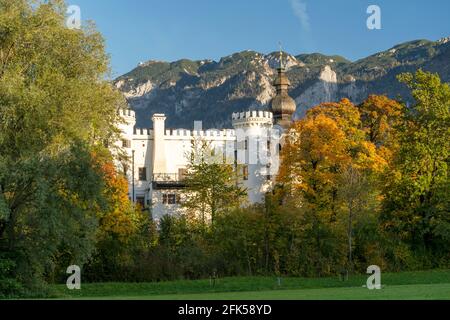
188, 90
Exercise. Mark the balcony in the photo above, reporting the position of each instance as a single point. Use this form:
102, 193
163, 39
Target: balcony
168, 181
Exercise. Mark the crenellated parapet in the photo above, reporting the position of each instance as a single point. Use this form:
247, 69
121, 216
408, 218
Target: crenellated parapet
142, 132
183, 133
252, 118
252, 114
127, 113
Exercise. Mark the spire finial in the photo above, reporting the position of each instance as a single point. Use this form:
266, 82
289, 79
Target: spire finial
281, 54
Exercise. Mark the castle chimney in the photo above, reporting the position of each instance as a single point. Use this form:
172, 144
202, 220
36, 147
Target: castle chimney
159, 151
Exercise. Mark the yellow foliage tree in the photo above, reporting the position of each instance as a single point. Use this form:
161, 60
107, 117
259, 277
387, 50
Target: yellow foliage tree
322, 145
311, 158
328, 167
122, 219
380, 117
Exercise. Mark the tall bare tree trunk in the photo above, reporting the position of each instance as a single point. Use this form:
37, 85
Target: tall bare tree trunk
350, 237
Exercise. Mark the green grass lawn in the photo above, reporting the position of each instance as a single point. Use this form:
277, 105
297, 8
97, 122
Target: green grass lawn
406, 285
406, 292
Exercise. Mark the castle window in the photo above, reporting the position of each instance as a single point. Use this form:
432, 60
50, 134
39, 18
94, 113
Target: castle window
142, 174
170, 198
141, 201
126, 143
246, 144
182, 174
245, 172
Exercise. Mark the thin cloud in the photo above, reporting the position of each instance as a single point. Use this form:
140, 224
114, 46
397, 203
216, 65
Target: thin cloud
300, 11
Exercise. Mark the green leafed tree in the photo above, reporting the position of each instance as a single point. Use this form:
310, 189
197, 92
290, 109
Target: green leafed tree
417, 195
212, 184
56, 108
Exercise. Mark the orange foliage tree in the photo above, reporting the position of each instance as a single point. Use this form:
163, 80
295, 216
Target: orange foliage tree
381, 118
121, 219
329, 169
320, 147
124, 230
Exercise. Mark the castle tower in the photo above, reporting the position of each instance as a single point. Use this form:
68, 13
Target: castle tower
124, 158
126, 127
252, 130
283, 106
128, 124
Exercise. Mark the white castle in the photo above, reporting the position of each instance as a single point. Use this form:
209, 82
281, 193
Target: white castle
158, 157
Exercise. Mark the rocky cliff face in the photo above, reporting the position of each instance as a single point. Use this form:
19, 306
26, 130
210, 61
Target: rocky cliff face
210, 91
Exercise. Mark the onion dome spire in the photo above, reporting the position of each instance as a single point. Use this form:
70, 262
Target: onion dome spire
283, 106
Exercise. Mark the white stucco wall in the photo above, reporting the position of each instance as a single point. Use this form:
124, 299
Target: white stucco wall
163, 151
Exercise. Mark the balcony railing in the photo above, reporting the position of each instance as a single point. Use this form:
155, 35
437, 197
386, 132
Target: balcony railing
167, 180
167, 177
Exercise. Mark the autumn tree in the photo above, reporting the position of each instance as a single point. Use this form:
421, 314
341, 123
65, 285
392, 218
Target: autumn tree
326, 160
121, 219
124, 230
381, 118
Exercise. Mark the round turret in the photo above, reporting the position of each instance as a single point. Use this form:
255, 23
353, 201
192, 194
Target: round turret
128, 115
129, 122
252, 119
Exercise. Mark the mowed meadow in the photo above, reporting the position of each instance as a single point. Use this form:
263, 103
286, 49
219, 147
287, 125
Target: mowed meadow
433, 284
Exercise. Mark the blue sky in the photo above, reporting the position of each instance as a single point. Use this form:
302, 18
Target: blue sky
169, 30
